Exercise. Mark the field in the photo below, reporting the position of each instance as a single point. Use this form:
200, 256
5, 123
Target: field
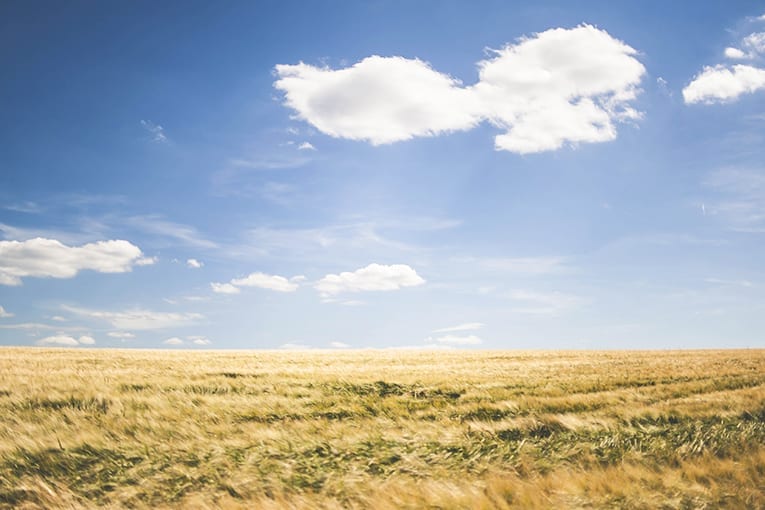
381, 429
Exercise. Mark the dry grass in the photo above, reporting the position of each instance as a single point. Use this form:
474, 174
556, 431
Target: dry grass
381, 429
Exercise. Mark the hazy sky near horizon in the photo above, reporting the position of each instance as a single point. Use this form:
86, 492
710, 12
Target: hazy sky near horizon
382, 174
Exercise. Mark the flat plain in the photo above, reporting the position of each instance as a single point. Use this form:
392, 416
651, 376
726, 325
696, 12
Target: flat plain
381, 429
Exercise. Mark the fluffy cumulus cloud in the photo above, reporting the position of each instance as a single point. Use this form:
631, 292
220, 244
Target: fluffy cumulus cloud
374, 277
66, 341
173, 341
722, 83
735, 53
194, 263
270, 282
754, 44
380, 99
42, 257
725, 83
555, 87
260, 280
224, 288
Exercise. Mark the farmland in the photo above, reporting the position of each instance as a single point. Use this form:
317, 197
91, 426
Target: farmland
381, 429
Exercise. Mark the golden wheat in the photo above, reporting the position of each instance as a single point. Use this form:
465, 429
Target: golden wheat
381, 429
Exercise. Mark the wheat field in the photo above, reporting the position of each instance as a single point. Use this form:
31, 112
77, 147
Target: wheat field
381, 429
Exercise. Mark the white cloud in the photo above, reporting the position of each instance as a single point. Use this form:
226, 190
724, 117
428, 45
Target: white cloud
735, 53
339, 345
526, 266
224, 288
289, 346
755, 43
199, 340
4, 314
468, 326
742, 201
733, 283
33, 326
122, 335
455, 340
139, 319
306, 146
543, 303
157, 132
260, 280
270, 282
720, 84
173, 341
146, 261
380, 99
423, 347
374, 277
664, 88
196, 298
560, 86
353, 302
24, 207
58, 318
555, 87
156, 225
194, 263
42, 257
66, 341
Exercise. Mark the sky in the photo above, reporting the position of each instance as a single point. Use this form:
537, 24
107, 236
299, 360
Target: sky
382, 174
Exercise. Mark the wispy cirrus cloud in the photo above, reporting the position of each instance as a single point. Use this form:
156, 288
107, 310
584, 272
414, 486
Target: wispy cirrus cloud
362, 238
455, 340
41, 326
138, 318
523, 266
160, 227
548, 89
529, 302
467, 326
27, 207
156, 131
740, 200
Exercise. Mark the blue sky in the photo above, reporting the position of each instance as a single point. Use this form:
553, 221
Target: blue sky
499, 175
